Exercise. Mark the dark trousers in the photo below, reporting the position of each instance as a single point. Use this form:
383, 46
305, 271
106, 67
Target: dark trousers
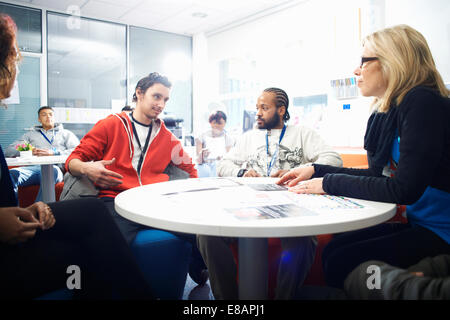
397, 244
84, 235
129, 230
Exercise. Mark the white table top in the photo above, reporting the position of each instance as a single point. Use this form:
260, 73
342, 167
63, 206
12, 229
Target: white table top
176, 206
19, 161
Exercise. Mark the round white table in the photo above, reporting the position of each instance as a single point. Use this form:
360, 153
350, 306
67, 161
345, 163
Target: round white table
47, 177
245, 208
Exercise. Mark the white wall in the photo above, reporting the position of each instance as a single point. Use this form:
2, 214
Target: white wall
432, 19
302, 48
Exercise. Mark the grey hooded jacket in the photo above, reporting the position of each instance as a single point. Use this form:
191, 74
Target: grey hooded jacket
62, 141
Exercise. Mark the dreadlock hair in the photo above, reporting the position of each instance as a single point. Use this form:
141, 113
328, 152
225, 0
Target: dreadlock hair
150, 80
281, 99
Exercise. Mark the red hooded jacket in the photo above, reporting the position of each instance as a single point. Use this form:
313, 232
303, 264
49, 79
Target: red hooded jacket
112, 137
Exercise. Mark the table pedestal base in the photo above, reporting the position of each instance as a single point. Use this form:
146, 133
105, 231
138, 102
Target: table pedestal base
47, 183
253, 268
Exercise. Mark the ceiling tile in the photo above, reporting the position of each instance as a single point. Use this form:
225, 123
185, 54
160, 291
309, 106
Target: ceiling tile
100, 9
58, 5
139, 17
123, 3
167, 15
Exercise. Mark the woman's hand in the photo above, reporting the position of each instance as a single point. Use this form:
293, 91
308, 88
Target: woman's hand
310, 186
17, 225
296, 175
42, 212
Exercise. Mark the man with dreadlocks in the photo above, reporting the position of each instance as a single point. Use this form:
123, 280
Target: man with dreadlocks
268, 151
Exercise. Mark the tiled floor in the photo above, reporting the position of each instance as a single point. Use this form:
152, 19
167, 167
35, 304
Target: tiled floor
194, 292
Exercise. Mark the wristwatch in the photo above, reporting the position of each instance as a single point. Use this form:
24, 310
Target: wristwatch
241, 172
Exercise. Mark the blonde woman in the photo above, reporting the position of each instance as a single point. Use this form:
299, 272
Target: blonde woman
408, 148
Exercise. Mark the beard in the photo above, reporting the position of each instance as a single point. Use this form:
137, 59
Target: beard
270, 123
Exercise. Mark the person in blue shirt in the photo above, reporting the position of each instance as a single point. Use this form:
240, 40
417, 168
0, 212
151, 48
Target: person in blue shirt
408, 148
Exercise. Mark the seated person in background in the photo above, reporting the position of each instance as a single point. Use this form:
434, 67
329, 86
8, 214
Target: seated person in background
268, 151
212, 145
47, 139
36, 252
409, 134
130, 149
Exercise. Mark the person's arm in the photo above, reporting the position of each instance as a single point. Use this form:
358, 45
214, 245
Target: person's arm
229, 142
422, 131
317, 151
232, 161
71, 141
96, 171
181, 159
199, 150
320, 170
87, 158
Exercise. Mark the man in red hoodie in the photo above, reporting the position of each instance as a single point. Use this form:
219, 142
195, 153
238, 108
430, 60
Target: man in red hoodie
131, 149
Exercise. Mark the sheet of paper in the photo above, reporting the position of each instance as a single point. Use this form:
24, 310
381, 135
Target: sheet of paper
270, 212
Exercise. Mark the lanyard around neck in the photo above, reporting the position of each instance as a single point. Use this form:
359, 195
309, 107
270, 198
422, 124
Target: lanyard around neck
274, 156
143, 150
45, 137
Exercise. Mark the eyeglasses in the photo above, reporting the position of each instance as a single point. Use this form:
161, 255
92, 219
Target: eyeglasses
366, 59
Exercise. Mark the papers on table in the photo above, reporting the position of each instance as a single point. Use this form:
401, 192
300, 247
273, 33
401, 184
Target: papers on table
270, 212
256, 201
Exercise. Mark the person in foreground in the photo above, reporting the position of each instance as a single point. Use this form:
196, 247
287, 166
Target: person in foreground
268, 151
409, 130
41, 244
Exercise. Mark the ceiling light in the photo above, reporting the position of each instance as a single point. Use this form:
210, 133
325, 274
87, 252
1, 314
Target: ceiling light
199, 15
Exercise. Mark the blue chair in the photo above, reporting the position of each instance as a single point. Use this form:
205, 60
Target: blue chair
164, 259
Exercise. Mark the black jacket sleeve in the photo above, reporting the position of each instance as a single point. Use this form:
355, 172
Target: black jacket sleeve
320, 170
422, 125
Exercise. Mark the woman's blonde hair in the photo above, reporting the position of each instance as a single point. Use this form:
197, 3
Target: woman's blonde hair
406, 62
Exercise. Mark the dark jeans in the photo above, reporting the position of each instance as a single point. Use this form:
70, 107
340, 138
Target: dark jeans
84, 235
397, 244
129, 230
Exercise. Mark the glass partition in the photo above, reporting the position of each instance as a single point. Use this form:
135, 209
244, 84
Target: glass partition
28, 21
86, 70
170, 55
23, 104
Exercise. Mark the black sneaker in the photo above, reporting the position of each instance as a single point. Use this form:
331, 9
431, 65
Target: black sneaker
199, 276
